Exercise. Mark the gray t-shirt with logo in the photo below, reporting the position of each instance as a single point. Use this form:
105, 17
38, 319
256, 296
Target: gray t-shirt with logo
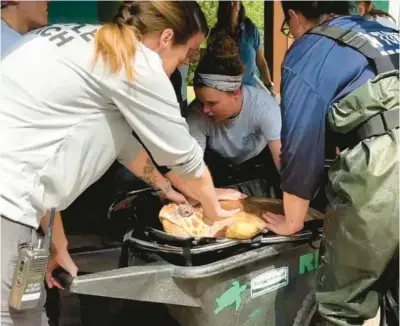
244, 136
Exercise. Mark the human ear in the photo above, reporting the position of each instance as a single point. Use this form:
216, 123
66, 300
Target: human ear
166, 38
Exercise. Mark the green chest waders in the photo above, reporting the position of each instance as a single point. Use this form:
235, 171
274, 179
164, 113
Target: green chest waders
362, 224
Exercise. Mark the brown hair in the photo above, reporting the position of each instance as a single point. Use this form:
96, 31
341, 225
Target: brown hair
372, 11
115, 42
221, 57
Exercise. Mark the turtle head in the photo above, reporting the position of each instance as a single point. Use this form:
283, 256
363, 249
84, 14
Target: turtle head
235, 283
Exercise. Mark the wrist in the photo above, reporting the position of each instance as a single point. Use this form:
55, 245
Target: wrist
59, 246
211, 208
164, 188
218, 191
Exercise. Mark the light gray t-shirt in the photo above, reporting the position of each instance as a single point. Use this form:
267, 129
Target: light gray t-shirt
64, 122
246, 135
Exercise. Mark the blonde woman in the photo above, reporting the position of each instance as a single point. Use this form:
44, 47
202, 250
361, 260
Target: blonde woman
68, 116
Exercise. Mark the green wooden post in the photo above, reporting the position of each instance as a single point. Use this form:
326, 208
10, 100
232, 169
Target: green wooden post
107, 10
73, 12
382, 5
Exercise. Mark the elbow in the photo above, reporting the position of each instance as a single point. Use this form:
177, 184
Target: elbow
275, 147
192, 171
296, 227
191, 166
261, 65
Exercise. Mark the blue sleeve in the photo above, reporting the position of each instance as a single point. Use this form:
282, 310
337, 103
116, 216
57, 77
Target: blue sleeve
302, 136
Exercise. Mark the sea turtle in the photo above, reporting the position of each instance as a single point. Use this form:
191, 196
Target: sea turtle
232, 296
187, 221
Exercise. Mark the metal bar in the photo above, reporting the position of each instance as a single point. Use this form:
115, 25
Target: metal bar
302, 236
94, 261
227, 264
179, 250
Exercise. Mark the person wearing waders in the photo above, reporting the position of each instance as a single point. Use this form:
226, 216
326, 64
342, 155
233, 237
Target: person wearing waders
340, 79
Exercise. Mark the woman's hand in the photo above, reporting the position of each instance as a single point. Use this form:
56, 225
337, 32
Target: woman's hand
280, 224
175, 197
217, 213
271, 90
229, 194
60, 258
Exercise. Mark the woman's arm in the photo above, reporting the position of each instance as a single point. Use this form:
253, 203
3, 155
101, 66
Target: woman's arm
267, 117
59, 240
275, 148
144, 168
295, 209
262, 65
60, 256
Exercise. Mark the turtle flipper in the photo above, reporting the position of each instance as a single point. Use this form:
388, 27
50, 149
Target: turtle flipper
218, 310
238, 303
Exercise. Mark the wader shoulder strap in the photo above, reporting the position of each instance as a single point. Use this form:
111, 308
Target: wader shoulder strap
377, 125
382, 60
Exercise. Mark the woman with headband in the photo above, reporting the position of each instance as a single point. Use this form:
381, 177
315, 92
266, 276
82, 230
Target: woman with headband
234, 121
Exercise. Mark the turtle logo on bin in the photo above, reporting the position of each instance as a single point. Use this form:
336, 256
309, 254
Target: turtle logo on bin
231, 296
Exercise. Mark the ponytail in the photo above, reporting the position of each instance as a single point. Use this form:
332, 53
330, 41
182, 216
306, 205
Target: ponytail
115, 43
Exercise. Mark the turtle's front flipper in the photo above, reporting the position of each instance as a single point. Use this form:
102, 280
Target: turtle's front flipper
238, 303
219, 306
218, 310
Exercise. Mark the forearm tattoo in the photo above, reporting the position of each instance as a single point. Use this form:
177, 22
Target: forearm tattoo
150, 177
148, 173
